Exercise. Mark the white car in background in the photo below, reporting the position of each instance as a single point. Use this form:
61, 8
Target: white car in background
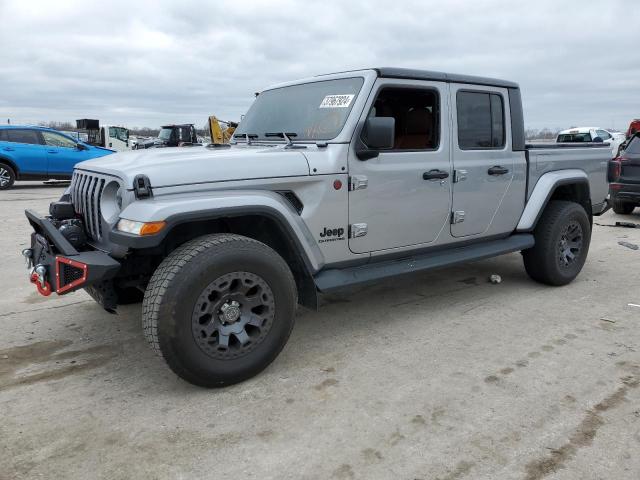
589, 134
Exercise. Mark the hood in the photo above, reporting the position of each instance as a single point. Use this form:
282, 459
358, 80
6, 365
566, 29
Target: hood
102, 150
187, 165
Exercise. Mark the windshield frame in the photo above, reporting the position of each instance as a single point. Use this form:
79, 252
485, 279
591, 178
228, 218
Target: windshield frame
349, 125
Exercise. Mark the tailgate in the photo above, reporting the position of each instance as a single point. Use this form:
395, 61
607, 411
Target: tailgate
630, 171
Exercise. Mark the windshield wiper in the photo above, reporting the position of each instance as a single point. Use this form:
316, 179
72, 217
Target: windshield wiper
246, 136
287, 136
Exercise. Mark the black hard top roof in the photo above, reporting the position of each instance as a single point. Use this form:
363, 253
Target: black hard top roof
411, 74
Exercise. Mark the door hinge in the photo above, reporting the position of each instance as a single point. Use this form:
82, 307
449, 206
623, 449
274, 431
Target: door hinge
457, 217
358, 182
459, 175
357, 230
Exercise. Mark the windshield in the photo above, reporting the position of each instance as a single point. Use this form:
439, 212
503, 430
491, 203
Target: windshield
574, 137
119, 132
165, 133
310, 111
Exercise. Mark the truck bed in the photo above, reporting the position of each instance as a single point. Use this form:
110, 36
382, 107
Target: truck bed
590, 157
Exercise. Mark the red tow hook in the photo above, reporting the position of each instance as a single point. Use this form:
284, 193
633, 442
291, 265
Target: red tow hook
39, 279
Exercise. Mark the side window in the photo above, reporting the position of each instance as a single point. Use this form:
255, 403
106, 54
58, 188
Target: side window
480, 120
57, 140
23, 136
3, 135
417, 115
603, 134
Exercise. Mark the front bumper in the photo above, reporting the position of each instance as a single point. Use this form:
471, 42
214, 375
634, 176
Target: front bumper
55, 265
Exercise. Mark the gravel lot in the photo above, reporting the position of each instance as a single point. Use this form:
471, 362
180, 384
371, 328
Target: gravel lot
437, 376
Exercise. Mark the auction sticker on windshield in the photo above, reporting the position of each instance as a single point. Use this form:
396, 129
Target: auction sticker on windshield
336, 101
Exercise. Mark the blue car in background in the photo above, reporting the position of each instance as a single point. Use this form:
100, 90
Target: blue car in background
40, 153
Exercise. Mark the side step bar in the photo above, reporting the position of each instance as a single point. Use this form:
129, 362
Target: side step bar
334, 279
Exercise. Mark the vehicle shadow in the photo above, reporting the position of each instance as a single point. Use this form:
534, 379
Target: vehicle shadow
359, 313
38, 186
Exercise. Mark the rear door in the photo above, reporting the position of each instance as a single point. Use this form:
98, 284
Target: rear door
62, 153
24, 146
483, 159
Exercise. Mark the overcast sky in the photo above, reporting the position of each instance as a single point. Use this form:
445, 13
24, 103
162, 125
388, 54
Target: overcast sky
144, 63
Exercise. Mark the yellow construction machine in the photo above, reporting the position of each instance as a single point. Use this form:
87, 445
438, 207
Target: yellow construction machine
221, 131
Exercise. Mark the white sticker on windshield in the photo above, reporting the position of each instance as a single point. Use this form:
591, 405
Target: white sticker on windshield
337, 101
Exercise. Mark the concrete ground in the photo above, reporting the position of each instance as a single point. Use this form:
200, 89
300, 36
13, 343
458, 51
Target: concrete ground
437, 376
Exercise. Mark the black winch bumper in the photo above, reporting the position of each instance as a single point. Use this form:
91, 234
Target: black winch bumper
56, 266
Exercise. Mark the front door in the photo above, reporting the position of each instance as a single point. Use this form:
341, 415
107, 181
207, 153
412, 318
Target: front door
483, 159
63, 153
402, 196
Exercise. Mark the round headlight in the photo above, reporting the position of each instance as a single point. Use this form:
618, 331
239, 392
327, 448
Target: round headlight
111, 202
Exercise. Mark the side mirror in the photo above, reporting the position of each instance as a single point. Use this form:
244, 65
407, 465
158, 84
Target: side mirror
597, 140
378, 134
80, 146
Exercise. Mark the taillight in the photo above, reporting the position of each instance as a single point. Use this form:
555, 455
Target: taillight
615, 169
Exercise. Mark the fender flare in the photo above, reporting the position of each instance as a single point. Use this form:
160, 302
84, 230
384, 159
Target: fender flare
542, 193
11, 163
177, 210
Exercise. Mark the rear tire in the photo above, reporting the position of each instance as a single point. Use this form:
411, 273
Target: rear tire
562, 237
219, 309
623, 208
7, 176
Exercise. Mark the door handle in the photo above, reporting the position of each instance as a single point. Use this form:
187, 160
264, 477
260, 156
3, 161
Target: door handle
497, 170
8, 149
51, 151
435, 175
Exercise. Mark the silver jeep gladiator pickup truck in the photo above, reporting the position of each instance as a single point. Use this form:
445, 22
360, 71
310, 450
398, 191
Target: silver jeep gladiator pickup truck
331, 182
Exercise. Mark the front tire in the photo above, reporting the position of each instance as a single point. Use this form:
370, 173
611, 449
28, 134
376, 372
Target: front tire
623, 208
562, 237
7, 176
219, 309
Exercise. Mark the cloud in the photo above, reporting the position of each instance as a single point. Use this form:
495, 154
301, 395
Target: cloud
146, 63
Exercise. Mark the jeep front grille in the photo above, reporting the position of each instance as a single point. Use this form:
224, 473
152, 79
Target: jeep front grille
86, 189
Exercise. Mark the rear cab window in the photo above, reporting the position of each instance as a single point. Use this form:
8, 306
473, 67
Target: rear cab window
481, 122
634, 146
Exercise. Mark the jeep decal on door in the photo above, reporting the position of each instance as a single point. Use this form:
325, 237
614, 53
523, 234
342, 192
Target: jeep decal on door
331, 234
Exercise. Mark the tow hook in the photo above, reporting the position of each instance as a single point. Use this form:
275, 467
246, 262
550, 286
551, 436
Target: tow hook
27, 253
39, 278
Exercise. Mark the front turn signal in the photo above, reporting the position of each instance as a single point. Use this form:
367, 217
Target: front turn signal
140, 228
151, 228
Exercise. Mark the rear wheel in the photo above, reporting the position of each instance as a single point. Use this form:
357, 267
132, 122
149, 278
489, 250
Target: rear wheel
7, 176
562, 237
623, 208
219, 309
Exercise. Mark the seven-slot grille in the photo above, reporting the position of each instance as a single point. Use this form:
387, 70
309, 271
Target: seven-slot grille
86, 190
